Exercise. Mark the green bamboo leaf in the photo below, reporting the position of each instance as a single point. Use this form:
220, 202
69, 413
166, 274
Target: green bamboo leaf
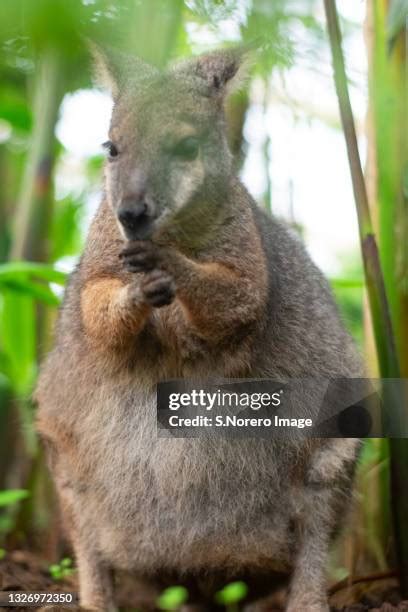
38, 270
36, 291
14, 109
18, 338
347, 283
65, 235
15, 116
4, 368
12, 496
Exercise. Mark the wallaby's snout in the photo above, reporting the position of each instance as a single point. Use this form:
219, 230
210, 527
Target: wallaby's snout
136, 216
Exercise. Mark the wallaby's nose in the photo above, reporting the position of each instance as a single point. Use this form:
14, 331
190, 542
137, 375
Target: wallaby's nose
130, 212
134, 217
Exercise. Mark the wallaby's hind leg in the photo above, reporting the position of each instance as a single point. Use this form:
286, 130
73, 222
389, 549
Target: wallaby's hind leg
308, 585
95, 578
95, 583
326, 497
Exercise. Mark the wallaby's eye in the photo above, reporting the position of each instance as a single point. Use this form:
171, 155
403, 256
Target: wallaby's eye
111, 149
187, 149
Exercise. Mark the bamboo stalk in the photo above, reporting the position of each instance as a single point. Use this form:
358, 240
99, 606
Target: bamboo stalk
33, 211
30, 234
383, 331
373, 273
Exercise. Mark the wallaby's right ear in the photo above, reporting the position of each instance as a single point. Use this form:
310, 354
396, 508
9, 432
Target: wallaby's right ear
223, 70
114, 70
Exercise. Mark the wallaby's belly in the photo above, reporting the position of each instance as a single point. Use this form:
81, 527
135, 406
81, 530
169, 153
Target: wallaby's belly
182, 504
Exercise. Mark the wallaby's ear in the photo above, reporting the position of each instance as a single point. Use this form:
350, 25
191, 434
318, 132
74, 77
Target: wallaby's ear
114, 69
223, 71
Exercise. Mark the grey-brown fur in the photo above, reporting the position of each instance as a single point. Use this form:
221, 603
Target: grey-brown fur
215, 288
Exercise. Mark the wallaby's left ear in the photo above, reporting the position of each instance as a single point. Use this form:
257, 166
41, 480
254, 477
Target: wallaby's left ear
114, 70
223, 71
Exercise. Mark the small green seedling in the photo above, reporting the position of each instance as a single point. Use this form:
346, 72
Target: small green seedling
172, 598
61, 570
231, 595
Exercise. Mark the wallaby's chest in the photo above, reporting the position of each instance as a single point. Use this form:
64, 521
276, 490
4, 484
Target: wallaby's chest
182, 502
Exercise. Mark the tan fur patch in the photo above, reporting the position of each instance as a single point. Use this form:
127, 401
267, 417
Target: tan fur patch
234, 296
217, 269
108, 313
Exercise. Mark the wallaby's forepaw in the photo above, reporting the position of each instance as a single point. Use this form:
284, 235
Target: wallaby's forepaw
158, 288
140, 256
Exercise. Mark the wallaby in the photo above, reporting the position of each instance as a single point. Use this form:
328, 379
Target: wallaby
183, 275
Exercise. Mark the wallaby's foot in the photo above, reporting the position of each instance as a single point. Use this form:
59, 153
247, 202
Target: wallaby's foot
96, 591
97, 604
158, 288
107, 608
305, 605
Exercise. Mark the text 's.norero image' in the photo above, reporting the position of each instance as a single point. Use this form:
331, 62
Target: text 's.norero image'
204, 305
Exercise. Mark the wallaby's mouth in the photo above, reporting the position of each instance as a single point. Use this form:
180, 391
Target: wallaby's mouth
136, 224
142, 231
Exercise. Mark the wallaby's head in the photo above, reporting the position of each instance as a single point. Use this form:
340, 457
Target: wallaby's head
168, 160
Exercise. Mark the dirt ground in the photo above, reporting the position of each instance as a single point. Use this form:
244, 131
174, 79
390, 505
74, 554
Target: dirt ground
23, 571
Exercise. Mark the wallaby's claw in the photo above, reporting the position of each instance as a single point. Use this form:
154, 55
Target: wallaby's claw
158, 288
139, 256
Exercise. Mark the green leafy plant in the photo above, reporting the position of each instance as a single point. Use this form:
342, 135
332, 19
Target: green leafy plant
61, 570
8, 498
23, 277
22, 284
12, 496
172, 598
231, 595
